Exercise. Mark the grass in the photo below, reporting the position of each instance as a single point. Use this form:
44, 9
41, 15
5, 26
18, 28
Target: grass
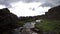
49, 25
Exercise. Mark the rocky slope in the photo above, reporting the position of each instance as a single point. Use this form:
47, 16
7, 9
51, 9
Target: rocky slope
8, 20
53, 13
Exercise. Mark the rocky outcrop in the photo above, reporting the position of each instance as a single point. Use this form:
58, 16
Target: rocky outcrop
53, 13
8, 20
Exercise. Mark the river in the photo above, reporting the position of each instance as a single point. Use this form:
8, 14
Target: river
26, 29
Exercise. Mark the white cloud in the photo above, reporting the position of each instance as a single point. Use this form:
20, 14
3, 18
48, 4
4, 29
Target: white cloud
1, 6
22, 9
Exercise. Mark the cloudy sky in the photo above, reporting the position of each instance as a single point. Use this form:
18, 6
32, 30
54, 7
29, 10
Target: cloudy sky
28, 7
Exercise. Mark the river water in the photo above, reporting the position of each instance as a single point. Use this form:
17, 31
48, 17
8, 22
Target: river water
26, 29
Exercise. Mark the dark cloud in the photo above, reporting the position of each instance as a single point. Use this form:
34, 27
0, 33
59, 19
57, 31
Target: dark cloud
7, 2
27, 1
50, 3
47, 4
33, 9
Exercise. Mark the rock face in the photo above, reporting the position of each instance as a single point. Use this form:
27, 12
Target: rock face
8, 20
53, 13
